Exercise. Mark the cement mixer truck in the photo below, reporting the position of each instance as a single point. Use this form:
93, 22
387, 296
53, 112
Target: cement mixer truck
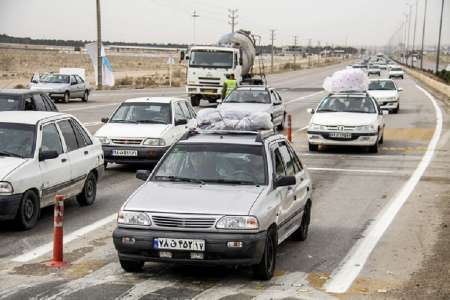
208, 66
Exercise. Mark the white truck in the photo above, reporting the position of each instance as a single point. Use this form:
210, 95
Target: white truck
208, 66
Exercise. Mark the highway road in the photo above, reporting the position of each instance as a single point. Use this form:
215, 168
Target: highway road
352, 191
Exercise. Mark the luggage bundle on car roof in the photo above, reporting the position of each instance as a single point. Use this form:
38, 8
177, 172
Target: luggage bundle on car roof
349, 80
215, 119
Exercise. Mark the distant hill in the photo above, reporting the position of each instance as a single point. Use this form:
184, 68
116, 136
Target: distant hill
4, 38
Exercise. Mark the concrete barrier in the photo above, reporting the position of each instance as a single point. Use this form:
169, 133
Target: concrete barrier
434, 84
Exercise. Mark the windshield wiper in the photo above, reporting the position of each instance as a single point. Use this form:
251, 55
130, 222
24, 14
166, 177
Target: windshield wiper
231, 181
151, 122
123, 121
6, 153
180, 179
327, 110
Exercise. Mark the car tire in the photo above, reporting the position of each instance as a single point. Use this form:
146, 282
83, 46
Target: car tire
66, 97
195, 101
401, 77
131, 266
265, 268
301, 234
281, 126
381, 139
105, 165
85, 96
29, 210
374, 148
313, 148
89, 193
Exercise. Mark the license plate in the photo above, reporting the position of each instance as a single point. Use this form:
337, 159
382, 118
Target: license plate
124, 153
178, 244
340, 135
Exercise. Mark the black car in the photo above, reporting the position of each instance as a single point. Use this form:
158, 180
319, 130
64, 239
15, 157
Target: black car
22, 99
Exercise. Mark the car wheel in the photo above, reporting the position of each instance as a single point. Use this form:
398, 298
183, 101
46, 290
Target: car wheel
66, 97
381, 139
313, 148
374, 148
265, 268
105, 164
301, 234
85, 96
28, 212
131, 266
401, 77
87, 196
281, 126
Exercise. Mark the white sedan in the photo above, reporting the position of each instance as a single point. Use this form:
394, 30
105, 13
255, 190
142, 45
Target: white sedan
346, 119
142, 129
387, 94
47, 153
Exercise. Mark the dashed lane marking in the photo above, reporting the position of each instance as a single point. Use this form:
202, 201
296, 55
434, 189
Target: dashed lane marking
352, 264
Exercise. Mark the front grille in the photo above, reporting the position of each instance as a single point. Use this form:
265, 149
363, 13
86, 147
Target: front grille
176, 222
341, 128
208, 83
209, 78
125, 141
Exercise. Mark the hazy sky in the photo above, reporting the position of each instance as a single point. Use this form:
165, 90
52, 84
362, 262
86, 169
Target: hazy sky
362, 22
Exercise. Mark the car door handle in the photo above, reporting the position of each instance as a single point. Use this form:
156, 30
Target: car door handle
64, 160
86, 152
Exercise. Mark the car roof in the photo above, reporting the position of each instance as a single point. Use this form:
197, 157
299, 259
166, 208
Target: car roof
254, 87
380, 79
28, 117
230, 137
153, 100
18, 91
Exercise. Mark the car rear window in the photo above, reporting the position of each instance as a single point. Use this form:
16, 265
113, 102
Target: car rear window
9, 103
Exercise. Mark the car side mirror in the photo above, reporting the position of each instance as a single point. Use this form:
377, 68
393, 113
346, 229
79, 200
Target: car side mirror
284, 181
310, 111
277, 103
46, 155
400, 89
143, 174
181, 122
105, 120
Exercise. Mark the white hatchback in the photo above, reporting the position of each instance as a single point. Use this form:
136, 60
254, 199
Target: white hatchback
46, 154
140, 130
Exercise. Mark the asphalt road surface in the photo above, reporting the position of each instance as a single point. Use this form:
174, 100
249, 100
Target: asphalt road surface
351, 188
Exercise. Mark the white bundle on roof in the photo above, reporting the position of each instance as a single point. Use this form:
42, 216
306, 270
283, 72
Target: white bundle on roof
347, 80
217, 119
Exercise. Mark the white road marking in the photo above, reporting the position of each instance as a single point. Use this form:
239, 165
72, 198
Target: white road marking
350, 267
144, 288
303, 97
378, 156
44, 249
352, 170
303, 128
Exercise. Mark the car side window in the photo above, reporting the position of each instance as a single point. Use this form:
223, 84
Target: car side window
185, 110
81, 135
287, 159
274, 97
39, 103
278, 163
79, 79
179, 115
49, 103
279, 96
193, 113
297, 163
73, 80
51, 141
29, 104
69, 135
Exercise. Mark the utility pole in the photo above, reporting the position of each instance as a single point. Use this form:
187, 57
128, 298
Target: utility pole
233, 18
439, 39
414, 34
295, 52
99, 49
194, 16
409, 30
272, 39
423, 34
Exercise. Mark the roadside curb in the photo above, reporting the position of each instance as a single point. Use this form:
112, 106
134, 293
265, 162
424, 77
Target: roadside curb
439, 89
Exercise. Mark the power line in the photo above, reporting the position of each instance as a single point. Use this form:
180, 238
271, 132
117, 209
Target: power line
233, 18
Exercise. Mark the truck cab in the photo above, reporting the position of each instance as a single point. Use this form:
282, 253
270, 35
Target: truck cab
207, 70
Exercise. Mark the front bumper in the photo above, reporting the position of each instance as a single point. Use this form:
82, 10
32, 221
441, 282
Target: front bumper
9, 206
204, 90
357, 139
145, 155
57, 95
216, 249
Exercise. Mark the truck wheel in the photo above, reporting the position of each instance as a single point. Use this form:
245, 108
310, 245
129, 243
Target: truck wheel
195, 100
28, 212
131, 266
265, 268
85, 96
87, 196
313, 148
301, 233
66, 97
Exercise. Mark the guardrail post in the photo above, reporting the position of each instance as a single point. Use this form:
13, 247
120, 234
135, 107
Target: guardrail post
289, 127
58, 233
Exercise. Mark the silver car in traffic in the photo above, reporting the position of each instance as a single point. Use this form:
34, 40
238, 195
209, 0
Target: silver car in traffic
217, 198
62, 86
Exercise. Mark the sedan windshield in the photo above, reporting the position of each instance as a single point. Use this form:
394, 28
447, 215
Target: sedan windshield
214, 163
396, 69
157, 113
17, 140
382, 85
55, 78
347, 104
248, 96
9, 103
211, 59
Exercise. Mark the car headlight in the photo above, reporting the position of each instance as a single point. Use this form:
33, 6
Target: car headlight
154, 142
104, 140
238, 223
366, 128
133, 218
6, 188
316, 127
